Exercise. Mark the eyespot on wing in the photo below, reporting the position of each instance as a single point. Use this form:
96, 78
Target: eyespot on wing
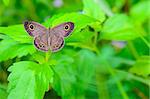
40, 45
26, 26
70, 26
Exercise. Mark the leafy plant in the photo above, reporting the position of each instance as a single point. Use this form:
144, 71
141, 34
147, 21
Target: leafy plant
102, 58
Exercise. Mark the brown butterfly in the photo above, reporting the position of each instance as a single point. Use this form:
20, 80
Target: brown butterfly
51, 38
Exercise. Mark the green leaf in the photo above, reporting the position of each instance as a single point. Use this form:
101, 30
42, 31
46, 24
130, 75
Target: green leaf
140, 12
3, 92
84, 36
39, 57
6, 2
64, 76
119, 27
142, 66
30, 78
85, 59
68, 72
16, 32
116, 5
3, 36
10, 49
80, 21
93, 9
85, 62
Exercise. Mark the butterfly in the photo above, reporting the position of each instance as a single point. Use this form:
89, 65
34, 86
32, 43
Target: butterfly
51, 38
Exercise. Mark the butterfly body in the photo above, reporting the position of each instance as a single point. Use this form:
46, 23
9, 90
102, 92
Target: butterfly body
48, 39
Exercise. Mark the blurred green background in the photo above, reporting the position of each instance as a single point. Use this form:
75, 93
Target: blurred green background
106, 57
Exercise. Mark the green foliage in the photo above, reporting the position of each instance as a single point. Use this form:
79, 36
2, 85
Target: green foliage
93, 9
69, 80
15, 48
119, 27
140, 12
17, 33
6, 2
142, 66
3, 92
80, 21
33, 80
116, 5
106, 55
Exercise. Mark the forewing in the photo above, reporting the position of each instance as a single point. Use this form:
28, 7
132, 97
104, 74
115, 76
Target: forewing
63, 29
34, 29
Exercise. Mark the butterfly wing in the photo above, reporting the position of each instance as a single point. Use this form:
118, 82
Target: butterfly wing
34, 29
63, 29
48, 39
56, 42
57, 34
41, 42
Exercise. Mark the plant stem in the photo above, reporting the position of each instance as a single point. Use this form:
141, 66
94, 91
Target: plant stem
120, 87
47, 56
134, 77
140, 31
145, 41
133, 50
95, 43
101, 86
95, 38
